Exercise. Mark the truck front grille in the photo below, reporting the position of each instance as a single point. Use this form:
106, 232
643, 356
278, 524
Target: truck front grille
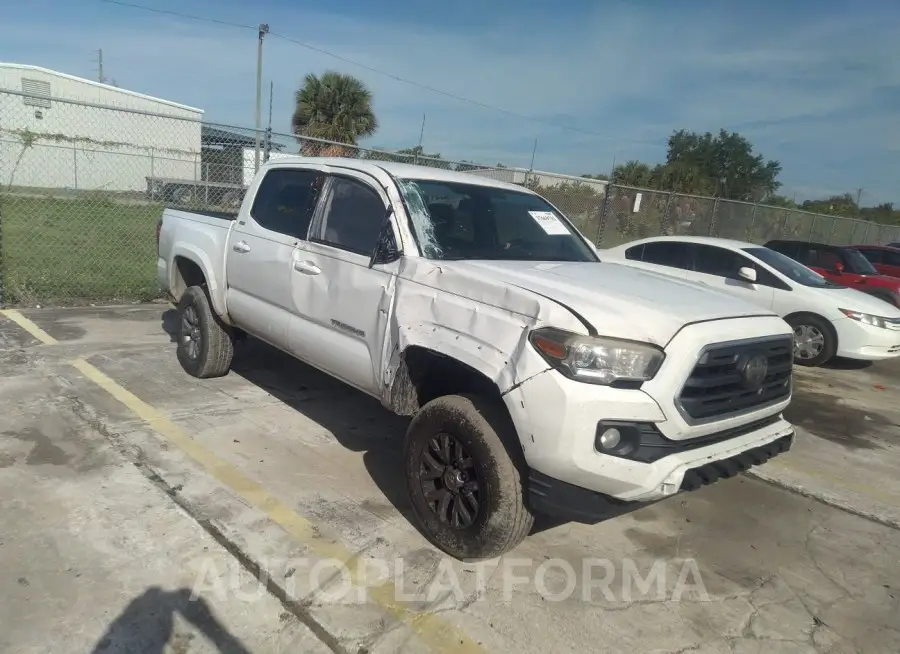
722, 385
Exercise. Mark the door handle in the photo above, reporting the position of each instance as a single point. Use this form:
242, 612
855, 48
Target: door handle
241, 247
307, 267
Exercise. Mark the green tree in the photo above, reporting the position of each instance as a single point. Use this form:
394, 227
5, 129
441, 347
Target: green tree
836, 205
727, 162
633, 173
333, 107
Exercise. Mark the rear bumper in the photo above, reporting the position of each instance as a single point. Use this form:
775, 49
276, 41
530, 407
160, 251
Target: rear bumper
567, 501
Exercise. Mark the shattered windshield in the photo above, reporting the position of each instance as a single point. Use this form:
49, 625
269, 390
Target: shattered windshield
469, 221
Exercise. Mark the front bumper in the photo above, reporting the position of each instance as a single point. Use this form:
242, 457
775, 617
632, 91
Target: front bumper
557, 498
557, 420
867, 342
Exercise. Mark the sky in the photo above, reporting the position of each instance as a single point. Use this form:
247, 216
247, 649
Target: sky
812, 84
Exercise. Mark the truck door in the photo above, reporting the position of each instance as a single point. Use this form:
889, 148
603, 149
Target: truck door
341, 305
259, 252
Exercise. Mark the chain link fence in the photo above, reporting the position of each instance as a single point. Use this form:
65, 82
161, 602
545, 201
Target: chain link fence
83, 185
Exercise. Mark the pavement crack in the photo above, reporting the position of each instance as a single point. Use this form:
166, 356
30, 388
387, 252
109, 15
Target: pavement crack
806, 546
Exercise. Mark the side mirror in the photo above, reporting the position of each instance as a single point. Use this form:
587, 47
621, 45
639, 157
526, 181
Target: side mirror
748, 274
386, 250
839, 268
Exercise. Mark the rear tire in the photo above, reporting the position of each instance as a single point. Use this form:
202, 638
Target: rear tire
205, 346
815, 342
465, 484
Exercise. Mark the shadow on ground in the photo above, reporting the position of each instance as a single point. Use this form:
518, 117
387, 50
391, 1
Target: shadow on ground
358, 422
147, 625
839, 363
823, 415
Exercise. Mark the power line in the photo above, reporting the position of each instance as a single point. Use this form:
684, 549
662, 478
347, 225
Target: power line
398, 78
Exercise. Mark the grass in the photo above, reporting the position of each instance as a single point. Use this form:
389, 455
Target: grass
79, 250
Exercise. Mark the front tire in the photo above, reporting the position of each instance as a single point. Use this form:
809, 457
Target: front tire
815, 342
465, 483
205, 347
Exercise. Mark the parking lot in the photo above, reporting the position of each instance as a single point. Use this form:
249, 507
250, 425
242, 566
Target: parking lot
274, 498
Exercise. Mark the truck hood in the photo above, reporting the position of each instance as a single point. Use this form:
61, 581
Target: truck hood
617, 300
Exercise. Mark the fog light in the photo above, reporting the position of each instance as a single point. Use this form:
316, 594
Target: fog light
610, 438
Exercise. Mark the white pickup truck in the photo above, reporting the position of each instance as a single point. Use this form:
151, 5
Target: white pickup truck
539, 378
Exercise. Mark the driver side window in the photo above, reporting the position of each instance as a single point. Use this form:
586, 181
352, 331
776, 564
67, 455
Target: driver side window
352, 217
711, 260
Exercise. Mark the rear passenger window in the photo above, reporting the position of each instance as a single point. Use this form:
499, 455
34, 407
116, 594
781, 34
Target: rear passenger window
286, 200
667, 253
720, 262
892, 258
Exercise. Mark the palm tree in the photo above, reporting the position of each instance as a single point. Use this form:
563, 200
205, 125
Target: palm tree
333, 107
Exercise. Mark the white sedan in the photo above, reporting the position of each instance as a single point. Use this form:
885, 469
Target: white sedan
828, 319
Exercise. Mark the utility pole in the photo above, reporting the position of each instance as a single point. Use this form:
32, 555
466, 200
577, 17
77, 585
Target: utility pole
858, 197
100, 65
263, 30
269, 128
421, 136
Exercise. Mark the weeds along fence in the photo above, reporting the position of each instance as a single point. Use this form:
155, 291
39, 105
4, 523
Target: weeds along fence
82, 186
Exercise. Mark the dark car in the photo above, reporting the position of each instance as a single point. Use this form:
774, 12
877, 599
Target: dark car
842, 265
885, 258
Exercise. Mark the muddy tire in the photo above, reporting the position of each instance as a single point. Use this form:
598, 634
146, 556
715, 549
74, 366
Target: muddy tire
465, 475
815, 341
205, 346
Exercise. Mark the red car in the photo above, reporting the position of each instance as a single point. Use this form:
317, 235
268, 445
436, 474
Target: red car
885, 258
844, 265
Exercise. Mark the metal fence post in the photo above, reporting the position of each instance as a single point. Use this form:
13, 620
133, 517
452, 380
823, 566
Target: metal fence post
664, 221
787, 216
749, 234
712, 219
601, 228
831, 231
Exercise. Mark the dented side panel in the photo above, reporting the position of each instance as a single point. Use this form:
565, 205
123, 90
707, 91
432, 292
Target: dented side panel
478, 322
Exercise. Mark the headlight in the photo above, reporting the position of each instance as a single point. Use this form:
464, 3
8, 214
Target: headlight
596, 359
864, 318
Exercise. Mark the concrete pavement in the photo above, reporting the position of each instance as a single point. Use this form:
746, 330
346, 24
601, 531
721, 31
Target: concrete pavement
126, 485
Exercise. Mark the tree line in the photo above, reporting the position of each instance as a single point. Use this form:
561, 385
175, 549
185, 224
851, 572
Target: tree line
338, 107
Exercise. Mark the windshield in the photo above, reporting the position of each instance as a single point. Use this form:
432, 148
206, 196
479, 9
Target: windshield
858, 263
791, 269
470, 221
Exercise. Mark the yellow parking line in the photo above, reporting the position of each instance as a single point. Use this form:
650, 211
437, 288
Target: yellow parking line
29, 326
439, 635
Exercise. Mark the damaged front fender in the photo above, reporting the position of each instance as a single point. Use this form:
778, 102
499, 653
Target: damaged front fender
481, 324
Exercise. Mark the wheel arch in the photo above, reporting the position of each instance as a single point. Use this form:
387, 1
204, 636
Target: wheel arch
828, 324
425, 374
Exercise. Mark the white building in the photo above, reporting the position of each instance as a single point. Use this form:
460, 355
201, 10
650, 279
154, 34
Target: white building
56, 131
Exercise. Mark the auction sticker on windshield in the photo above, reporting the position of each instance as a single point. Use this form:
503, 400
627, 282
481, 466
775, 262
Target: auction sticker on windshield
549, 222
